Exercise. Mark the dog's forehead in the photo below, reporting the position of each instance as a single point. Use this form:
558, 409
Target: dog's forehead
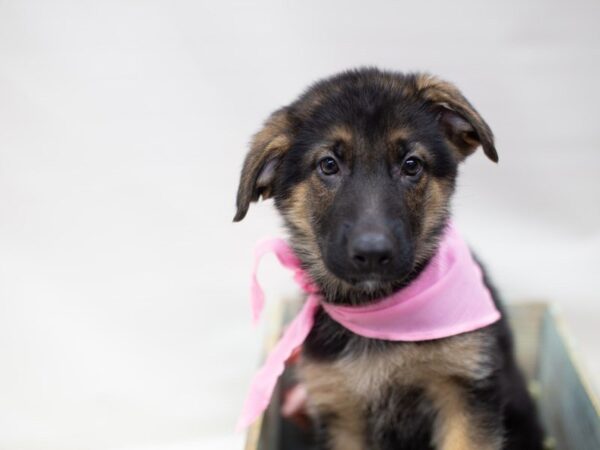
352, 112
368, 102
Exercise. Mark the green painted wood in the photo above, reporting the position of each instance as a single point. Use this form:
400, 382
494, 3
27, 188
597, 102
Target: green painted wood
566, 403
526, 323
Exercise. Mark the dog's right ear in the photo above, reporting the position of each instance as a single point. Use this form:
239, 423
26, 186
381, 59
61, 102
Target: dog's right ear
262, 161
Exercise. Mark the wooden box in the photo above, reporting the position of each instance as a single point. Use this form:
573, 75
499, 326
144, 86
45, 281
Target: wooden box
569, 410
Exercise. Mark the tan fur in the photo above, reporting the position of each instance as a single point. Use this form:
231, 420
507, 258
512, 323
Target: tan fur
343, 387
398, 135
276, 125
435, 205
456, 428
269, 143
329, 392
341, 133
298, 213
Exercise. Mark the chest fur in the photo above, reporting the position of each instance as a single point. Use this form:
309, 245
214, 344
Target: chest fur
384, 381
364, 372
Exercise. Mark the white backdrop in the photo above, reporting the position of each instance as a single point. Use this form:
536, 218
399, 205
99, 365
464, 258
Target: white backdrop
124, 321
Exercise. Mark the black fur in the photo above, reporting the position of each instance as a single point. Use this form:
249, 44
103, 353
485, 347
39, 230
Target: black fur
412, 409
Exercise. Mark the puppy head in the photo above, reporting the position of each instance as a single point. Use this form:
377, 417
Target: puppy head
362, 167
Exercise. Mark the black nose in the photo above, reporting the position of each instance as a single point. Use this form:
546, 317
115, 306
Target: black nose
371, 251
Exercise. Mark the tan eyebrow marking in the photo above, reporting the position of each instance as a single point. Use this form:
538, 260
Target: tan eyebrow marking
418, 148
395, 138
341, 133
344, 135
399, 134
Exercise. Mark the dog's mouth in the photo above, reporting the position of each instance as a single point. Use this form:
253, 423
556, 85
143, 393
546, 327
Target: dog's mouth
371, 283
367, 279
362, 289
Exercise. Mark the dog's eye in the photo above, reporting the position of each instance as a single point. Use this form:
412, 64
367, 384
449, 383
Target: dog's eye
328, 166
412, 166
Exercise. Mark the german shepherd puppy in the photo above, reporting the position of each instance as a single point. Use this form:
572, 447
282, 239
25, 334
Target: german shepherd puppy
370, 152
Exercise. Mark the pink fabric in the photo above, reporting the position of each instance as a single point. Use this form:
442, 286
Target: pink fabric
446, 299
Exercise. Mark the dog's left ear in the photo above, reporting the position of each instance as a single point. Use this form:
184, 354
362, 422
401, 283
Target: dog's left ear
462, 125
262, 161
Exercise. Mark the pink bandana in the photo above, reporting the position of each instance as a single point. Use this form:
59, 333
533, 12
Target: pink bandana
446, 299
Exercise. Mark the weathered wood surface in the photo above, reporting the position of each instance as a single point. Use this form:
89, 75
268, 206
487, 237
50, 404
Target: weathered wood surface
570, 411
